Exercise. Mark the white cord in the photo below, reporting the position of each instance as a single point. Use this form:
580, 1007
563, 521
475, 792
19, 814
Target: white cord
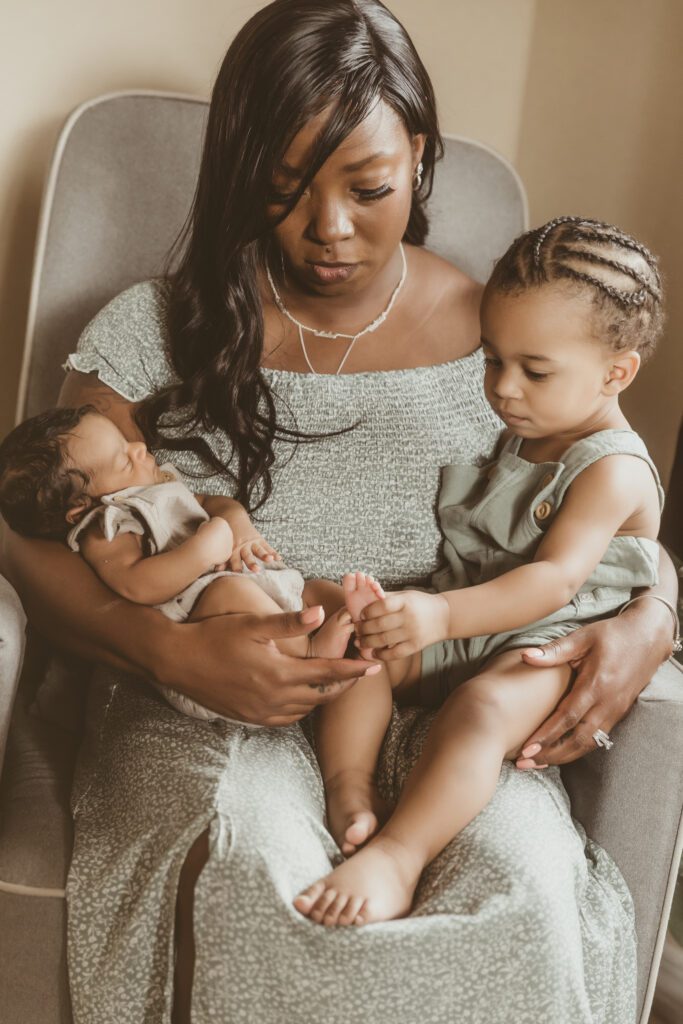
330, 334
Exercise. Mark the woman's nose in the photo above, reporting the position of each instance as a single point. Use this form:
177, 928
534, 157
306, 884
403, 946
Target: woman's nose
330, 221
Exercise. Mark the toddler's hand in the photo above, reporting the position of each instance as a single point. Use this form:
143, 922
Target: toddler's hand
403, 623
215, 540
247, 551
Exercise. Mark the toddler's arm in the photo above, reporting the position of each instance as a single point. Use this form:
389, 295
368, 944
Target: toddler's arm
615, 494
121, 565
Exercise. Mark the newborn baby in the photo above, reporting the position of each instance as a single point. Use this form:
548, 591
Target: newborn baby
70, 474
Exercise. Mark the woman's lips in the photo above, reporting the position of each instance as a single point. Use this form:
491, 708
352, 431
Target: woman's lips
332, 272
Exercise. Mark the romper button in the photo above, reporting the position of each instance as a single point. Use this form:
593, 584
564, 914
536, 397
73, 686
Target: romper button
547, 479
543, 510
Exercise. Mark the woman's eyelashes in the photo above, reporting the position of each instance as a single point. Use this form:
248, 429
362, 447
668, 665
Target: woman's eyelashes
364, 195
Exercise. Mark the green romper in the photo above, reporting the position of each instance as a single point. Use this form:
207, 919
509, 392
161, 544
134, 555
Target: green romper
493, 519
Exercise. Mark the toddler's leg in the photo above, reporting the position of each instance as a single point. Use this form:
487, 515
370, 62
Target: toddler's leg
349, 732
483, 722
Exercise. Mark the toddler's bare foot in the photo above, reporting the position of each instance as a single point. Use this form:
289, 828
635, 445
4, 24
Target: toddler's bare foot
360, 590
375, 885
354, 809
331, 639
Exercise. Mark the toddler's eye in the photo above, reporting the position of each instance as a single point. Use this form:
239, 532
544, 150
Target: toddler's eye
533, 375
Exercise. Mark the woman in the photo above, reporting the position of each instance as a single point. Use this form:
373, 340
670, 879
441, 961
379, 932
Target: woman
320, 147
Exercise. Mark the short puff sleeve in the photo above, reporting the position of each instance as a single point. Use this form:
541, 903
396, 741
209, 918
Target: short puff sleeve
126, 343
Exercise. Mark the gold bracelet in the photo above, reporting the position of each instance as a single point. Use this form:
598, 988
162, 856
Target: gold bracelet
676, 644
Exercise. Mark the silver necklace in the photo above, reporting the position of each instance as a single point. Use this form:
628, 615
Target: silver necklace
332, 335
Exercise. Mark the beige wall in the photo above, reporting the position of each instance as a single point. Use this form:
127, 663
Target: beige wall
584, 97
602, 135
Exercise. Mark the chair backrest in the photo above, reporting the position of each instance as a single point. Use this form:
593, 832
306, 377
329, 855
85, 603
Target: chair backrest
119, 189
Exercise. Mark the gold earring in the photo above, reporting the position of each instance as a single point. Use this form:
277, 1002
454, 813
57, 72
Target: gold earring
417, 180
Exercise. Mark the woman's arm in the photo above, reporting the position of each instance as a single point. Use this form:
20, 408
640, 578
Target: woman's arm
614, 660
228, 663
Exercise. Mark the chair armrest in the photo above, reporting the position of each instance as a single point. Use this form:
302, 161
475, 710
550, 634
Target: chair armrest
630, 800
12, 643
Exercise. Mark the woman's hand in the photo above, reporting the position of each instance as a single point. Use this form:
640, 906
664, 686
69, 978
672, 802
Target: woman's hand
614, 661
236, 670
403, 623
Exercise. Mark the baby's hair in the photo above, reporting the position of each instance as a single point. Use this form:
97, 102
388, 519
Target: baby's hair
37, 486
619, 273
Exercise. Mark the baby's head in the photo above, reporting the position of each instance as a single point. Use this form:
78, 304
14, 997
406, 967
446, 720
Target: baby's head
55, 466
568, 315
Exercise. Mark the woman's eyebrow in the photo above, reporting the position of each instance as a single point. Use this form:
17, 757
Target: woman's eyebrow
295, 172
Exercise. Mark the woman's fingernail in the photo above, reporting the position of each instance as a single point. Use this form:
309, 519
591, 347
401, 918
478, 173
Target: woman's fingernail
534, 652
542, 766
373, 670
532, 749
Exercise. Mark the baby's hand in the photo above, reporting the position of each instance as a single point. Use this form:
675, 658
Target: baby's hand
246, 552
402, 624
215, 540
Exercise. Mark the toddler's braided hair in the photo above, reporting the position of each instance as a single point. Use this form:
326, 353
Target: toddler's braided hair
620, 274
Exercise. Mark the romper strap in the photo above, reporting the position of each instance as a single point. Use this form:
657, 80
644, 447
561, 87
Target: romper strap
588, 450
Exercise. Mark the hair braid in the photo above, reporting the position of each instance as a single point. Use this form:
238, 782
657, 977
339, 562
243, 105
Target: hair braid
619, 273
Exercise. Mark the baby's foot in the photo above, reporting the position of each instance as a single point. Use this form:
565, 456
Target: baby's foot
376, 885
331, 640
354, 809
360, 590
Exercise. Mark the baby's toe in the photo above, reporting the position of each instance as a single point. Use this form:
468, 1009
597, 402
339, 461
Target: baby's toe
307, 899
351, 910
322, 903
335, 908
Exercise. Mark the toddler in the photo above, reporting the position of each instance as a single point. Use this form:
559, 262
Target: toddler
556, 531
70, 474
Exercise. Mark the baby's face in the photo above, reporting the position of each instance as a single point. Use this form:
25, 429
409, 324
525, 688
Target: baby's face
99, 448
546, 373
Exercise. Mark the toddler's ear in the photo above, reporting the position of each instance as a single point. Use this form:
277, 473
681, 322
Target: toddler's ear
76, 513
622, 369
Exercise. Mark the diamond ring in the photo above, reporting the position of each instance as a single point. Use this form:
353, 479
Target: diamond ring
602, 739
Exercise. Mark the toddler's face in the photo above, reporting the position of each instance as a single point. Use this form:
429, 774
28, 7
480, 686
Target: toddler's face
546, 373
99, 449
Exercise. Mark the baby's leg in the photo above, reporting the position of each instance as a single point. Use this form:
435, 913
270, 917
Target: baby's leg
483, 722
234, 594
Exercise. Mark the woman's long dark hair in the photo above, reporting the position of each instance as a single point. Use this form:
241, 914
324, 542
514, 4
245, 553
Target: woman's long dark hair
290, 61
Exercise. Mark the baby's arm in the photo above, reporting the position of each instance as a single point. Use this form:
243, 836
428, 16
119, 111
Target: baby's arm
609, 497
248, 544
152, 580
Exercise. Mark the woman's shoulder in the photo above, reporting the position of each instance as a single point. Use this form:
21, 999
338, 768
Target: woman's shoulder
141, 308
126, 343
450, 299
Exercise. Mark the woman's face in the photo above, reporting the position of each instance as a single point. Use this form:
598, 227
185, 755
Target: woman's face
350, 220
